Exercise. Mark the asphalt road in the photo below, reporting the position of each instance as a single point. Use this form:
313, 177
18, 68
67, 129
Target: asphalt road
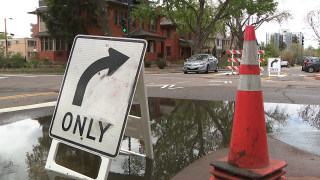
293, 86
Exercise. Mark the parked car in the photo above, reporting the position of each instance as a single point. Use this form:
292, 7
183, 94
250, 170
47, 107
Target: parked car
306, 60
201, 63
284, 64
312, 65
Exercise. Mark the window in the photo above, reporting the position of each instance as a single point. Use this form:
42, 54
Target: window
32, 43
151, 46
152, 25
42, 44
32, 54
17, 42
118, 17
189, 36
46, 44
141, 23
60, 44
218, 42
50, 44
9, 43
168, 33
168, 51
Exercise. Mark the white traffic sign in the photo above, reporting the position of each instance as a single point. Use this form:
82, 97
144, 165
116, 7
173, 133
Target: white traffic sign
274, 66
97, 92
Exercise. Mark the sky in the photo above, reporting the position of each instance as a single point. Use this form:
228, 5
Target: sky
20, 23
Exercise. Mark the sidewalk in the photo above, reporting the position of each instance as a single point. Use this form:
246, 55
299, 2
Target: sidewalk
300, 164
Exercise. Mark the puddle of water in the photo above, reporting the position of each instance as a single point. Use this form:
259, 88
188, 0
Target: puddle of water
182, 132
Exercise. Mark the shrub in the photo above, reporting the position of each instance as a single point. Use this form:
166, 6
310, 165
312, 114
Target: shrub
161, 64
63, 66
147, 64
46, 62
35, 63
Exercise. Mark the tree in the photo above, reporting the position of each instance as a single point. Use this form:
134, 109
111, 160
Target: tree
104, 18
295, 39
2, 36
313, 22
254, 13
296, 50
282, 46
188, 17
63, 17
271, 50
286, 55
310, 51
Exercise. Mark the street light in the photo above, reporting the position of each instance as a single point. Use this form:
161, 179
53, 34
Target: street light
5, 35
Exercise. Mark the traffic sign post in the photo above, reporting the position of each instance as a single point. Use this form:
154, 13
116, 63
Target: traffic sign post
274, 66
100, 82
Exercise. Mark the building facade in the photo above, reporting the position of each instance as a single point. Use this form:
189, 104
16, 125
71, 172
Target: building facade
163, 41
26, 46
285, 36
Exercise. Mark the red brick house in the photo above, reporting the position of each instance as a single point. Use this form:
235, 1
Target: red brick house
163, 42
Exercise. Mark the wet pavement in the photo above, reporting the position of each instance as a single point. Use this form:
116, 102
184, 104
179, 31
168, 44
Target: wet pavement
183, 131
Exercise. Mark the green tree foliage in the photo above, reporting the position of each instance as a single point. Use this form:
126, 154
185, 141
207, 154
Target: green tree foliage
188, 17
255, 13
310, 51
282, 46
2, 36
295, 39
297, 51
271, 50
63, 18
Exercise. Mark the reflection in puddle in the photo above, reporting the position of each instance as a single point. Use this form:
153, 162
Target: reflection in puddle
182, 132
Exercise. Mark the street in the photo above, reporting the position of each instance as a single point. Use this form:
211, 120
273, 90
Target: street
294, 87
28, 103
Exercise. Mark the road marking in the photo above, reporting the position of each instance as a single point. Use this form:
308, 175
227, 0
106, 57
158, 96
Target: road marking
171, 87
27, 95
226, 82
3, 77
33, 106
184, 82
163, 86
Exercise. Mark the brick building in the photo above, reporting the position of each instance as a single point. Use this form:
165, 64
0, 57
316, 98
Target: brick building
163, 42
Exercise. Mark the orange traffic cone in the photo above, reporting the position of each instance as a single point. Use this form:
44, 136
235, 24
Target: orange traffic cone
248, 154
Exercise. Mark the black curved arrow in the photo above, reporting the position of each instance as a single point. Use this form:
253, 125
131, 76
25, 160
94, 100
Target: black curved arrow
274, 61
114, 61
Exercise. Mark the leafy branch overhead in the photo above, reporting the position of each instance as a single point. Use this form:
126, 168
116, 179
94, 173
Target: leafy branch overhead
63, 18
254, 13
195, 17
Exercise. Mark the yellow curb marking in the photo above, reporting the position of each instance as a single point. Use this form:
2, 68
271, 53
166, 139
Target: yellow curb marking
27, 95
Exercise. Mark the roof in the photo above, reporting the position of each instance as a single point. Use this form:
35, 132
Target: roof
182, 42
42, 34
165, 21
140, 33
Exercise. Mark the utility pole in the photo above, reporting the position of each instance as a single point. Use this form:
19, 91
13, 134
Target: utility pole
5, 36
129, 2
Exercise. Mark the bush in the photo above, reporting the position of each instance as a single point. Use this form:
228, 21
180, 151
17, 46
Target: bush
147, 64
63, 66
161, 64
35, 63
46, 62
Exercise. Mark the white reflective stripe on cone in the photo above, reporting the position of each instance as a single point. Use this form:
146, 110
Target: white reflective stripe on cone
250, 55
249, 83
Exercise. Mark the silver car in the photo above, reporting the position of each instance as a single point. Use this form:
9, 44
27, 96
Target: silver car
201, 63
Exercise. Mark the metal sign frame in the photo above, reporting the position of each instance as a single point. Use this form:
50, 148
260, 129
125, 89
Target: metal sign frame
137, 127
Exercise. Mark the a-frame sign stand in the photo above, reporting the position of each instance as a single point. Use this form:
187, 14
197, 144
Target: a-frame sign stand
70, 124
